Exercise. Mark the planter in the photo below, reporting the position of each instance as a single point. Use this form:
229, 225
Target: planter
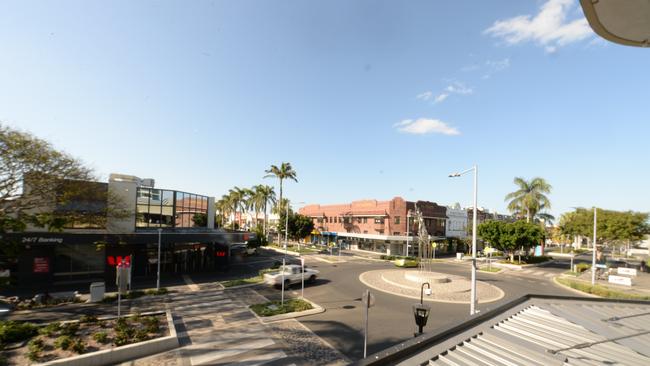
121, 354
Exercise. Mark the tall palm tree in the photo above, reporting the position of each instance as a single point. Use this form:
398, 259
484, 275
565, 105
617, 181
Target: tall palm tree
262, 195
530, 199
223, 207
284, 171
237, 198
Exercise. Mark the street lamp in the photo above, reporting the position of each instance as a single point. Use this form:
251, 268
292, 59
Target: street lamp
472, 306
158, 277
421, 311
593, 258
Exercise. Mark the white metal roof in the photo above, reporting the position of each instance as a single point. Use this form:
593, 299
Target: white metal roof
559, 333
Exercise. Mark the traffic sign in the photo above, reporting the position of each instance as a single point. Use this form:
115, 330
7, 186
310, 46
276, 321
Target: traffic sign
369, 302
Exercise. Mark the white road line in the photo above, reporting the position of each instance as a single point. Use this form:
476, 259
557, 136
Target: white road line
549, 275
193, 286
538, 273
222, 353
263, 358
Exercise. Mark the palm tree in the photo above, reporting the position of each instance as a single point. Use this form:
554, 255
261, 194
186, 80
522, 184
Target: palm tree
530, 199
237, 199
223, 207
284, 171
262, 195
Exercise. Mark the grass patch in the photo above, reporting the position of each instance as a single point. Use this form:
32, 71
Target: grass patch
601, 291
571, 273
243, 281
490, 269
528, 259
275, 308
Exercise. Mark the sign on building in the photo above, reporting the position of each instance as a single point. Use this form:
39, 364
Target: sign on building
41, 265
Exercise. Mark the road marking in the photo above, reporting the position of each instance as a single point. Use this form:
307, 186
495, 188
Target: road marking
188, 281
326, 261
222, 353
538, 273
549, 275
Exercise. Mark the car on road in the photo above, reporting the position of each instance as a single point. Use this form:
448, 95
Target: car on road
292, 274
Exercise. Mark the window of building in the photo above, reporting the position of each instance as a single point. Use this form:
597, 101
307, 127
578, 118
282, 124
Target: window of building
396, 233
396, 220
158, 208
320, 220
365, 220
365, 231
358, 220
379, 220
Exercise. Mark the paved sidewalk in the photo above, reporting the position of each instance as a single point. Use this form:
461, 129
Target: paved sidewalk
216, 328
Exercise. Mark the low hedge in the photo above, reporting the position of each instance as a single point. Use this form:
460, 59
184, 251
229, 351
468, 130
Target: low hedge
13, 331
601, 291
394, 257
275, 307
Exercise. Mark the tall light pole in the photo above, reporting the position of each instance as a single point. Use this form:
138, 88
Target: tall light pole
408, 218
593, 259
158, 277
472, 306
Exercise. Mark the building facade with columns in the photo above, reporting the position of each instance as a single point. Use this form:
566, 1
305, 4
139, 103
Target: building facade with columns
378, 226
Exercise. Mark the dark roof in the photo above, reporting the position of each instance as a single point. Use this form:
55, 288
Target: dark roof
536, 330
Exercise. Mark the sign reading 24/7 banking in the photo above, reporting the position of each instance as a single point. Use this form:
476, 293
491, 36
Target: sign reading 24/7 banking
40, 239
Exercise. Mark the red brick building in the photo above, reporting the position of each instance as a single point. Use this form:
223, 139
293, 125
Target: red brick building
377, 225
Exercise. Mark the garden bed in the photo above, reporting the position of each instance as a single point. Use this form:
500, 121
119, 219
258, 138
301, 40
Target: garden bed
61, 340
272, 308
243, 281
527, 260
136, 294
601, 291
490, 269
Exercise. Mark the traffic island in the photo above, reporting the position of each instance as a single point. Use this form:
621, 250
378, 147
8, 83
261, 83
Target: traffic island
492, 270
94, 341
598, 290
444, 287
273, 311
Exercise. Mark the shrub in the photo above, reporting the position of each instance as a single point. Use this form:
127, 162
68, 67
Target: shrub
102, 323
69, 329
88, 319
50, 329
109, 299
151, 323
581, 267
78, 346
101, 337
121, 339
141, 335
35, 345
133, 294
161, 291
63, 342
12, 331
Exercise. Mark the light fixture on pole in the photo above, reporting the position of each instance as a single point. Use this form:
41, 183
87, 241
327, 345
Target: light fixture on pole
593, 259
158, 277
472, 306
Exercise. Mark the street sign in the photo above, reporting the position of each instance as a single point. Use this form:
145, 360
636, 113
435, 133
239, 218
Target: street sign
364, 298
620, 280
626, 271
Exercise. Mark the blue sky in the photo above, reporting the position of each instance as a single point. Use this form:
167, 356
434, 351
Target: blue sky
367, 99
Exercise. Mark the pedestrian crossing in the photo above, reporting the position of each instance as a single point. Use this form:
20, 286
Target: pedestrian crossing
220, 330
535, 272
216, 328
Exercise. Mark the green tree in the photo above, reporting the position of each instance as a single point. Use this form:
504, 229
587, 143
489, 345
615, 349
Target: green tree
262, 196
529, 200
613, 227
32, 172
510, 236
300, 226
284, 171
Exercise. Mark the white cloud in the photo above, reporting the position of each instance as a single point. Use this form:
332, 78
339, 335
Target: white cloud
498, 65
441, 98
549, 28
459, 88
424, 126
425, 96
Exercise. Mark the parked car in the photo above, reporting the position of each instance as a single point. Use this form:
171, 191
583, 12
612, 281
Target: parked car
292, 274
406, 262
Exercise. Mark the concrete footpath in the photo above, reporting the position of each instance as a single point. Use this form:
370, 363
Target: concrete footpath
216, 328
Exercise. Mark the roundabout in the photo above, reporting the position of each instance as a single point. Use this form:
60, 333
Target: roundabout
444, 287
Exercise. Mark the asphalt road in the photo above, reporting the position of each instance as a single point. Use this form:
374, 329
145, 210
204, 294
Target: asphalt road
391, 320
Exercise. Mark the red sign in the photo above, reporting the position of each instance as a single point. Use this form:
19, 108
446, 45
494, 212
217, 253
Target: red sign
41, 265
220, 254
115, 261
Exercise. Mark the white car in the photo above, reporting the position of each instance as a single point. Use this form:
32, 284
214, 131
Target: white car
292, 274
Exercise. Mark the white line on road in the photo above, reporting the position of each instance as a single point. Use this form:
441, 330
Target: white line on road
221, 353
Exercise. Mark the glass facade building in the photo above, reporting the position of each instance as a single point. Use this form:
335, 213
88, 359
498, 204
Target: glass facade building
162, 208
